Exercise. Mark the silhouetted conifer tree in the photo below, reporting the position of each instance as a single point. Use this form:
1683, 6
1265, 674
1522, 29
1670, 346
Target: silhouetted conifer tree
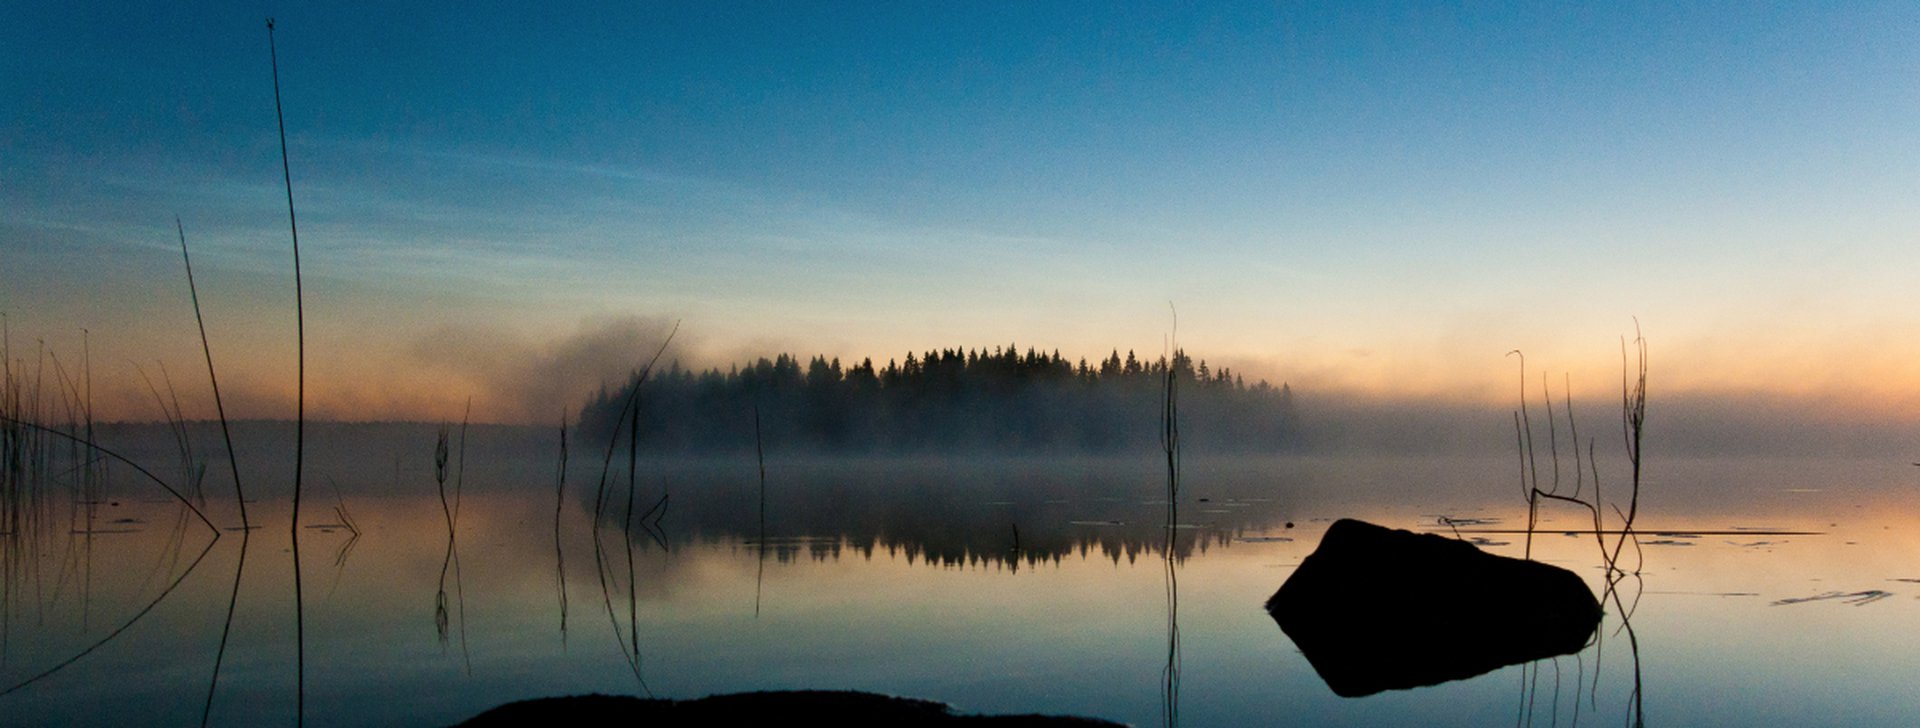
953, 399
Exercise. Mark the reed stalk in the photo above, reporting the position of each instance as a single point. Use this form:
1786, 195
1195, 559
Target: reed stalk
219, 405
1170, 443
459, 584
1633, 414
441, 615
560, 555
300, 393
633, 600
96, 447
760, 455
630, 646
1633, 421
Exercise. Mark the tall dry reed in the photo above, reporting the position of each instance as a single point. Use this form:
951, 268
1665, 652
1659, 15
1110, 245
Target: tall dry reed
300, 393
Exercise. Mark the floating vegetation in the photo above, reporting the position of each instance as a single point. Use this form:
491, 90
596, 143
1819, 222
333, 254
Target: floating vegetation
1453, 521
1858, 599
1703, 593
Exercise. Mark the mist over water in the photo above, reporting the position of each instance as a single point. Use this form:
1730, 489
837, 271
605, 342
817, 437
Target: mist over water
528, 380
1016, 583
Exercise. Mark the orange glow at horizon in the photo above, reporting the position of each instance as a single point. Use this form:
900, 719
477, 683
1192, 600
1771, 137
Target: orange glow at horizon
421, 367
394, 385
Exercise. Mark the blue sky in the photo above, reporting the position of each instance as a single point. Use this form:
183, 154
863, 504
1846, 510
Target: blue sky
1381, 198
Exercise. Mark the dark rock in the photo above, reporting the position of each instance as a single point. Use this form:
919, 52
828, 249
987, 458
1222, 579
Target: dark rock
800, 707
1375, 609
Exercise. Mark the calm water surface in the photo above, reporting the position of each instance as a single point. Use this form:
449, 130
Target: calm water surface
1022, 585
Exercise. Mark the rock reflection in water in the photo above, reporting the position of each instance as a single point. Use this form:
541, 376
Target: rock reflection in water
1376, 609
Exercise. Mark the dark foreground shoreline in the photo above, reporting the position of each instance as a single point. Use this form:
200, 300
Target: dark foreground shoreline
829, 707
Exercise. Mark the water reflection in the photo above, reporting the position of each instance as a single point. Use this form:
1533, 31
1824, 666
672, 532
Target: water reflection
1009, 522
34, 475
1170, 443
1623, 595
1001, 586
559, 543
226, 625
443, 613
760, 536
628, 638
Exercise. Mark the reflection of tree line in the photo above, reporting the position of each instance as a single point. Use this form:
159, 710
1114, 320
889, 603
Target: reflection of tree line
1103, 545
948, 524
1001, 400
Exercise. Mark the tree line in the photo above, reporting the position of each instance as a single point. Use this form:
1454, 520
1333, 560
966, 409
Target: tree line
999, 401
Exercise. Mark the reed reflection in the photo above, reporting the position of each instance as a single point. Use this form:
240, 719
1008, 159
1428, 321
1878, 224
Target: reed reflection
33, 456
443, 614
1616, 578
559, 550
1170, 443
628, 421
760, 537
1589, 690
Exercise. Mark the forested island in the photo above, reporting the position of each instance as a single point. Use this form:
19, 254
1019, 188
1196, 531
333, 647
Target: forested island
999, 401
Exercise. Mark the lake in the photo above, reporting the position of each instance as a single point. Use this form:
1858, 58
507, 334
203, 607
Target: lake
1771, 591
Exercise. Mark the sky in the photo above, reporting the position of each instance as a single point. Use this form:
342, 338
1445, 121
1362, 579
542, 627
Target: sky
511, 206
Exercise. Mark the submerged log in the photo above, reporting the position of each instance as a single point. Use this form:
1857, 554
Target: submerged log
1375, 609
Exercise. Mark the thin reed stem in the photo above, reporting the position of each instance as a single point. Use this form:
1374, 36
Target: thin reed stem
633, 598
441, 452
219, 405
560, 555
630, 648
96, 447
300, 393
459, 584
1170, 442
760, 454
1633, 420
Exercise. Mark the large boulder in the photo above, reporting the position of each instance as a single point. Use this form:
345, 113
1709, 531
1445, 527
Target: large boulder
1375, 608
